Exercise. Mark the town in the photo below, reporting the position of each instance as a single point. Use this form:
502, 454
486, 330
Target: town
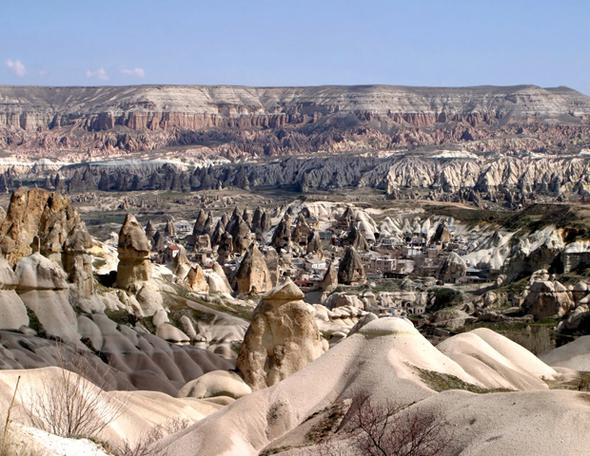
324, 252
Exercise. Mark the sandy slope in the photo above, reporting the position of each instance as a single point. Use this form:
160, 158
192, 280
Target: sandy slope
378, 360
139, 410
384, 359
496, 361
575, 355
536, 423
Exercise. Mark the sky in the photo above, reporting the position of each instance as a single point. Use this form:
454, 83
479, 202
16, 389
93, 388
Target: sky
300, 42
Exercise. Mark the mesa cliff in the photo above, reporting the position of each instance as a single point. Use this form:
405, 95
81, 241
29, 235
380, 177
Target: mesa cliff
252, 121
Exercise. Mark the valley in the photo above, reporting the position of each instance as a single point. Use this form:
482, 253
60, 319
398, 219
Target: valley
233, 270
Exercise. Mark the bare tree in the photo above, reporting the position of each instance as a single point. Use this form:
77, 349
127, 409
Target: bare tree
69, 405
390, 429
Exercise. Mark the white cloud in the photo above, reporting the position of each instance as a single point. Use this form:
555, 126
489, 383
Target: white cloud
99, 73
135, 72
17, 67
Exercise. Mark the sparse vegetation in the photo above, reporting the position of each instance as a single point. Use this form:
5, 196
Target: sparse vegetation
578, 382
69, 405
445, 297
34, 323
390, 429
330, 419
439, 381
574, 218
275, 450
147, 445
470, 216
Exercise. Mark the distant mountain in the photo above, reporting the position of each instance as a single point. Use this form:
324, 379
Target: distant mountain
258, 121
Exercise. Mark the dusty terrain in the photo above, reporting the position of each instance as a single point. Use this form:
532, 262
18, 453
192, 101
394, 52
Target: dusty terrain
234, 270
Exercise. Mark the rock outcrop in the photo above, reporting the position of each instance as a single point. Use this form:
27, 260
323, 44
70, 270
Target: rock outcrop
548, 298
278, 120
134, 254
281, 237
240, 233
356, 239
302, 232
452, 268
351, 269
46, 222
240, 122
196, 280
49, 216
282, 338
216, 383
13, 313
43, 287
253, 275
330, 279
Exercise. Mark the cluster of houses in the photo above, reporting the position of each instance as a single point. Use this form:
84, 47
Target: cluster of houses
314, 258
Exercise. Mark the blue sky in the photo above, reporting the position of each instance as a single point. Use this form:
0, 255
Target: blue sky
259, 42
